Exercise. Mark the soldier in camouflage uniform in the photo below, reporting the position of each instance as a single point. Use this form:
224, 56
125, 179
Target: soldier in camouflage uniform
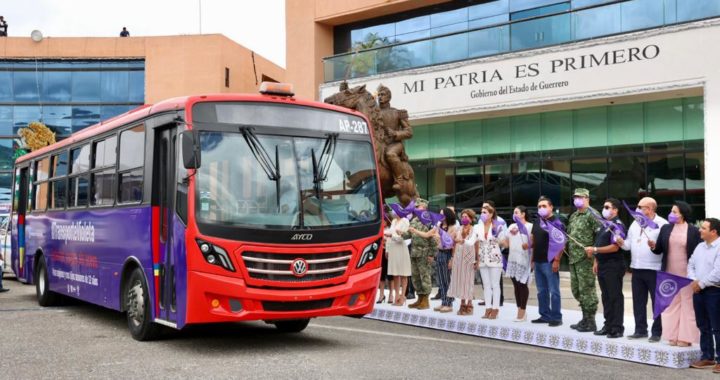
422, 253
583, 227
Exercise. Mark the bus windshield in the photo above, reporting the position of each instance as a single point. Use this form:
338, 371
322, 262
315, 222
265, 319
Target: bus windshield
235, 190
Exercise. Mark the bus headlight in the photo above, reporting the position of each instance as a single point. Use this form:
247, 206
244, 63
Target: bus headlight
215, 255
369, 253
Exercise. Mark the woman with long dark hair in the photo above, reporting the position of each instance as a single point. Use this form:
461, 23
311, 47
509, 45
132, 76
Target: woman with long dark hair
676, 242
518, 263
490, 261
443, 259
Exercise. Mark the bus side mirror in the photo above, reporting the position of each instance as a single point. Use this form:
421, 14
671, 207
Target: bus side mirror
190, 150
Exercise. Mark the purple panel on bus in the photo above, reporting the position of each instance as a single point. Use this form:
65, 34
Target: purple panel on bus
86, 249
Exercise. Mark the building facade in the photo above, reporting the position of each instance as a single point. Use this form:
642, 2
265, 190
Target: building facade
71, 83
511, 99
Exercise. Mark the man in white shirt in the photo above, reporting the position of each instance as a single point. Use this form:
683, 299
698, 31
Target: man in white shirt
645, 265
704, 269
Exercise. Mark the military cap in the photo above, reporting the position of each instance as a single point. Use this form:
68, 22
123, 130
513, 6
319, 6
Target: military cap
580, 192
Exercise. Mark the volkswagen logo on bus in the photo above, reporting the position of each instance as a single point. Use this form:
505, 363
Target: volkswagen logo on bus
299, 267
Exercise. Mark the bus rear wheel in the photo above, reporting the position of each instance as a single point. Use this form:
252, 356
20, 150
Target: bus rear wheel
45, 296
137, 306
292, 326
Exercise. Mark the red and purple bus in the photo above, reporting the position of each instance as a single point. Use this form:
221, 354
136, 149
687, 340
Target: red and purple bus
206, 209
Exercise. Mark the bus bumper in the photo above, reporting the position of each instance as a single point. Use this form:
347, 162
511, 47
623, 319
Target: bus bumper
215, 298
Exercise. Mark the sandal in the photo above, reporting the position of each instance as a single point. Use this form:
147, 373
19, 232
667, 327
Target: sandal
462, 310
493, 313
488, 311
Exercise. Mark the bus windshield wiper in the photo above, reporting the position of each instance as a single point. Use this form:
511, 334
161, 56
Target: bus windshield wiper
260, 154
321, 167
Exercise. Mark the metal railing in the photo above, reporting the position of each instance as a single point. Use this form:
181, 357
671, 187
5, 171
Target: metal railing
578, 24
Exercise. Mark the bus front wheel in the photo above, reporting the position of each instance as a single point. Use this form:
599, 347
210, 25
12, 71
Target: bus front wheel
137, 305
292, 326
45, 296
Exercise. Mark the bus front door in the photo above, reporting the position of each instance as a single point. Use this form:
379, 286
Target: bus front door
165, 160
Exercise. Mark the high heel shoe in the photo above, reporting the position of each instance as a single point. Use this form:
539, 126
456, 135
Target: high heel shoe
381, 300
399, 301
493, 313
488, 311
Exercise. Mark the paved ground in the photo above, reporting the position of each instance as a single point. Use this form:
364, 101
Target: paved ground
84, 341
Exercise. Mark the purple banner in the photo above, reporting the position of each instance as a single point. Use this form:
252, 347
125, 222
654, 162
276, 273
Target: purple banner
667, 286
556, 239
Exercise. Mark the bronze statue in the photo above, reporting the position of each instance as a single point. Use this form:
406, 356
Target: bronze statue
390, 127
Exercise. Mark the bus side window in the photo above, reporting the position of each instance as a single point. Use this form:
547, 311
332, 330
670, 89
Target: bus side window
131, 163
78, 184
40, 189
102, 177
58, 186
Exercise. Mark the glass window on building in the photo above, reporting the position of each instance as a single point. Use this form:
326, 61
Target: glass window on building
624, 151
67, 96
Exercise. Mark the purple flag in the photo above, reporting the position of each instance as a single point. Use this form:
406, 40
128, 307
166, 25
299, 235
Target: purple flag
617, 229
446, 241
520, 225
641, 219
522, 229
403, 211
428, 218
667, 286
556, 239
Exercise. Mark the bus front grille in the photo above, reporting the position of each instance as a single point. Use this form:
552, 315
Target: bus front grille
297, 306
277, 266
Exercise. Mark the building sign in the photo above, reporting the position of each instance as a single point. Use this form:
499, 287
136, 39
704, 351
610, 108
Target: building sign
651, 61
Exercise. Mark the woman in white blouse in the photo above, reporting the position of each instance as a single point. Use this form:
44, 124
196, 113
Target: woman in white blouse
490, 260
518, 263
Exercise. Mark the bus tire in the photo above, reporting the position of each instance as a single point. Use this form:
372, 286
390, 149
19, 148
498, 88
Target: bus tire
138, 308
292, 325
45, 296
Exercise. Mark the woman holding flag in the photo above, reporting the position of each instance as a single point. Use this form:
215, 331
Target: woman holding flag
490, 259
676, 244
462, 277
398, 257
518, 262
446, 232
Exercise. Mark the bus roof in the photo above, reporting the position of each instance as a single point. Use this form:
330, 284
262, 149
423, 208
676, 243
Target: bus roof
178, 103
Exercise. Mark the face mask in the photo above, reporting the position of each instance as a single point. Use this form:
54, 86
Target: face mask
579, 202
543, 212
673, 218
484, 217
465, 221
606, 213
